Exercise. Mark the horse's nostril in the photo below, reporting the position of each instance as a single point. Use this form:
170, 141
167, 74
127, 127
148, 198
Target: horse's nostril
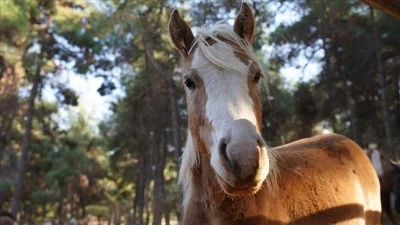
232, 163
222, 149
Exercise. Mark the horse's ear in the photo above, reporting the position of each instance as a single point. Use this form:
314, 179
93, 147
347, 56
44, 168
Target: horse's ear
394, 163
180, 32
244, 23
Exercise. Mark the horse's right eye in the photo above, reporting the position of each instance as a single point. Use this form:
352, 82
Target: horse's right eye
189, 83
257, 77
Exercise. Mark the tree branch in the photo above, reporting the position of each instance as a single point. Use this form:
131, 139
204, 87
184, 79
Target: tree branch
159, 68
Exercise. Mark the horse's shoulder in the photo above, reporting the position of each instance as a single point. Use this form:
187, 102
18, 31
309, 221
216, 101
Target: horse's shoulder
325, 141
322, 148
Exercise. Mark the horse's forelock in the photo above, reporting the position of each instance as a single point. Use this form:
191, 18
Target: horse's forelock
223, 33
220, 33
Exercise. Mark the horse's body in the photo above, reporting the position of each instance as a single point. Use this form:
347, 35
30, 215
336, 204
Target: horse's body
229, 176
323, 180
329, 180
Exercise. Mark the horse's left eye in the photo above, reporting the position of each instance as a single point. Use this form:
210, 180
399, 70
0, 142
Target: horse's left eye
189, 83
257, 77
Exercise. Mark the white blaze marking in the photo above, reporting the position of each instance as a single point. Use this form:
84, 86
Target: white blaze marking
227, 93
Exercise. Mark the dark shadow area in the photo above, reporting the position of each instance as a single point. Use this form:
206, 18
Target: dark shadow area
329, 216
6, 218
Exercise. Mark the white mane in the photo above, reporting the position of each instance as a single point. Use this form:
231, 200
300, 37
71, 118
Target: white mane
217, 57
190, 155
224, 31
189, 161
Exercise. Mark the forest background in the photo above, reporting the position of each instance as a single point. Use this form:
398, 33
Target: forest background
93, 114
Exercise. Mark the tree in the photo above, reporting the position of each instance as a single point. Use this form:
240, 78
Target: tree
41, 52
342, 31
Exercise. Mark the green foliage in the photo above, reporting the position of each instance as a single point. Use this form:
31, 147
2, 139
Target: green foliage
345, 91
41, 197
13, 18
5, 185
97, 210
74, 170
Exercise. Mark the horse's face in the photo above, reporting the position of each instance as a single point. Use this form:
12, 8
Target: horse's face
221, 78
396, 177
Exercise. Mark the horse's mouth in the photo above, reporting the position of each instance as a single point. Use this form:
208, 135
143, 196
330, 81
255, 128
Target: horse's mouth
239, 189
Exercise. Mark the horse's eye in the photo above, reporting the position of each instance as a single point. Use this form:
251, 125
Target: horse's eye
257, 77
189, 83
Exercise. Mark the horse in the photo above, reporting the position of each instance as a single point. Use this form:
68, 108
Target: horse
228, 174
7, 219
387, 183
386, 179
396, 184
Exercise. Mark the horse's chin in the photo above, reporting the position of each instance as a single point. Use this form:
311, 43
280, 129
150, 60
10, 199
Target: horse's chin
248, 188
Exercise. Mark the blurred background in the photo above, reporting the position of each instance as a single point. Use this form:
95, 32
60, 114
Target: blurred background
93, 114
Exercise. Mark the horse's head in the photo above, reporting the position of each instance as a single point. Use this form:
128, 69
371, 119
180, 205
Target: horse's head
222, 79
396, 177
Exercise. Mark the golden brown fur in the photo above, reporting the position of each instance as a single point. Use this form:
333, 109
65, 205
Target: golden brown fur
323, 180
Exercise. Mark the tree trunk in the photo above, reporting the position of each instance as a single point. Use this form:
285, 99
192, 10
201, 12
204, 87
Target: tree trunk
355, 127
116, 214
19, 179
83, 210
110, 218
147, 192
166, 214
176, 123
382, 89
351, 101
2, 147
398, 103
138, 204
385, 108
60, 208
173, 97
165, 192
159, 191
2, 192
351, 104
29, 215
44, 211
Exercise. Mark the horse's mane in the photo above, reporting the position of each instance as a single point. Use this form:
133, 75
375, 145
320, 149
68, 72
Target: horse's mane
190, 159
216, 32
189, 162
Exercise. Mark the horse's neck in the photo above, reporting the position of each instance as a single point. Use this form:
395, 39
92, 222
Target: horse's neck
199, 195
204, 200
205, 183
209, 204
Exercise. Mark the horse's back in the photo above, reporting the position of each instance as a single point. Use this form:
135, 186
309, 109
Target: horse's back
328, 179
